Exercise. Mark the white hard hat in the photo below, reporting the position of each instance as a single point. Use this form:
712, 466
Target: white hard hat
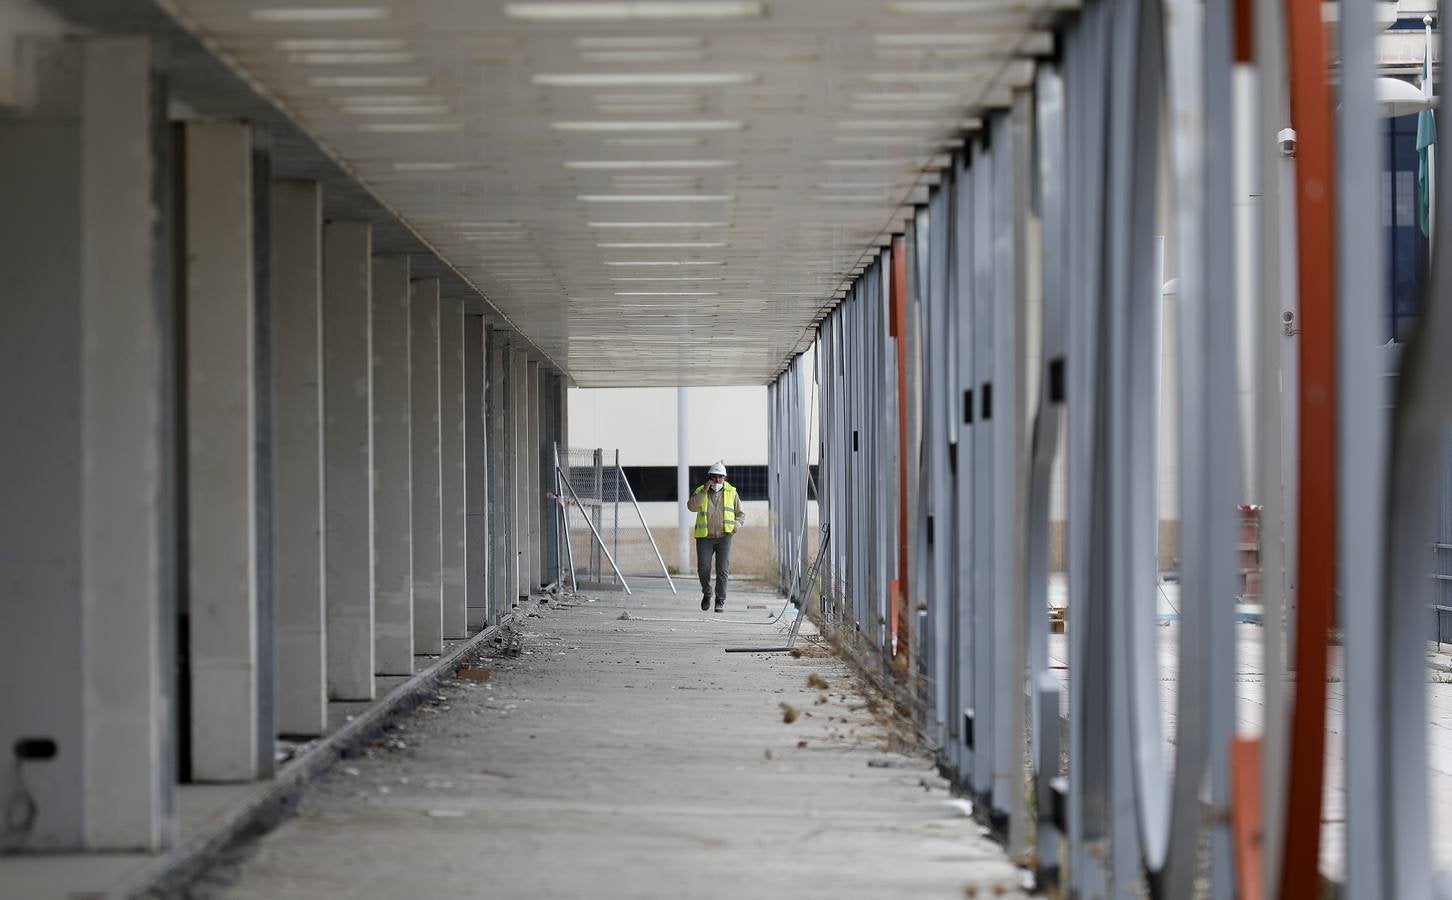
718, 468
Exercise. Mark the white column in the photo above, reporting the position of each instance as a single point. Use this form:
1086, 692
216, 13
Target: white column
128, 586
532, 503
86, 519
392, 468
348, 452
298, 573
476, 477
501, 447
428, 554
451, 469
685, 519
221, 461
519, 381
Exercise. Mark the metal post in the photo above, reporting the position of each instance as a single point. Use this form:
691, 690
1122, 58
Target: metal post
564, 523
618, 475
630, 492
683, 486
597, 501
598, 541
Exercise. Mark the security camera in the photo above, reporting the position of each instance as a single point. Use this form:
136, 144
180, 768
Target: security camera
1287, 140
1288, 317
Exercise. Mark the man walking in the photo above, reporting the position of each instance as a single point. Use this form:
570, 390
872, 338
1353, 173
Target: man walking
718, 515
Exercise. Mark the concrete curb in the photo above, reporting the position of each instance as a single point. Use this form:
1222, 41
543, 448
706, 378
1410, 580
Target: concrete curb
168, 874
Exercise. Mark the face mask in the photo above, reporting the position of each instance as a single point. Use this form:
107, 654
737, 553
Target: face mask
716, 486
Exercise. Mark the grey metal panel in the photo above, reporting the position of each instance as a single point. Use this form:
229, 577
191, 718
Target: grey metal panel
1361, 447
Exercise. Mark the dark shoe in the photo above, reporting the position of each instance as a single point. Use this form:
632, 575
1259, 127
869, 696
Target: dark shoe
720, 605
705, 602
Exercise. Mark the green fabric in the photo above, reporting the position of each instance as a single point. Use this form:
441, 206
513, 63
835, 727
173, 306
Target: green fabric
1426, 138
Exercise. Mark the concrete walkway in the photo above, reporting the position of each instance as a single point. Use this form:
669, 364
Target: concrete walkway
631, 757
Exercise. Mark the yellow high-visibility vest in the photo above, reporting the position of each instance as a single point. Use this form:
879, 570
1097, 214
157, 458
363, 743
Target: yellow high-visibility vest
728, 511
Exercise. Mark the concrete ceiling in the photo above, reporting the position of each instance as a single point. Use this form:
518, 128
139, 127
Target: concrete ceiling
655, 193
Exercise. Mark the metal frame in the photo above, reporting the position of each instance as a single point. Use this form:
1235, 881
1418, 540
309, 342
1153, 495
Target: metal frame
933, 346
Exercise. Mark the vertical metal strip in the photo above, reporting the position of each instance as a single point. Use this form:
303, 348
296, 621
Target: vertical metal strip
1048, 421
1361, 437
1311, 113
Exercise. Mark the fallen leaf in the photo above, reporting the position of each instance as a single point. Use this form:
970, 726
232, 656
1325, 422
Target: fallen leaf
816, 681
789, 713
473, 673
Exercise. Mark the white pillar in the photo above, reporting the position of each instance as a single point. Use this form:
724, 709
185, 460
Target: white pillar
684, 519
221, 460
348, 442
501, 445
298, 573
532, 503
428, 554
476, 477
86, 519
127, 540
392, 468
451, 467
519, 381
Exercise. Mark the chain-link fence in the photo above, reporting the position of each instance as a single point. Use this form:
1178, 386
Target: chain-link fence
608, 541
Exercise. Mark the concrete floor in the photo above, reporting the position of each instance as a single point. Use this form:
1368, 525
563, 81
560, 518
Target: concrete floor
631, 758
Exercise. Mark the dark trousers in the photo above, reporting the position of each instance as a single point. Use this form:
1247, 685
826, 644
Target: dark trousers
720, 548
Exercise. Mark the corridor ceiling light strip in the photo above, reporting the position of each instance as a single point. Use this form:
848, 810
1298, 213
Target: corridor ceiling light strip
639, 43
670, 262
634, 164
396, 110
868, 163
895, 124
321, 14
435, 166
643, 79
656, 141
303, 45
351, 59
409, 127
663, 245
392, 100
667, 293
659, 11
368, 81
668, 278
961, 7
651, 125
655, 198
951, 39
658, 224
975, 74
643, 56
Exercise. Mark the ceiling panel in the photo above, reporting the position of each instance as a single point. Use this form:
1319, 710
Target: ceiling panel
654, 192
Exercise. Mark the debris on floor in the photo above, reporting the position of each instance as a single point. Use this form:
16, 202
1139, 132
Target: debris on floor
789, 713
817, 681
473, 673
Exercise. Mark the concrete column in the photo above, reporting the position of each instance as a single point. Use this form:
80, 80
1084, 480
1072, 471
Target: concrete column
428, 553
523, 567
221, 462
476, 477
86, 377
536, 492
128, 539
299, 576
392, 467
508, 562
501, 491
348, 441
451, 471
